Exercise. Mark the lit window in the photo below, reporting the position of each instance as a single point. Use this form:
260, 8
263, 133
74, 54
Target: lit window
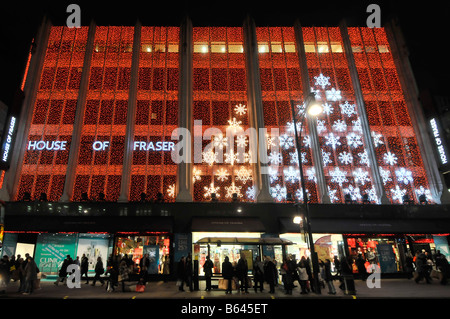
218, 47
172, 47
383, 48
235, 48
263, 47
310, 47
200, 47
336, 47
322, 47
147, 48
289, 47
160, 47
276, 47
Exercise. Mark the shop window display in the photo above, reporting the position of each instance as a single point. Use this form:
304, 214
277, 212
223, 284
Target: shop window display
135, 247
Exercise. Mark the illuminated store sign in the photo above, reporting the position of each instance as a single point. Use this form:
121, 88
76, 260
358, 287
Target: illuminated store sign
9, 139
439, 142
99, 146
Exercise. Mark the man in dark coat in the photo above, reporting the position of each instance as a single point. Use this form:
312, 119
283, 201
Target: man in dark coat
207, 268
270, 273
242, 273
227, 273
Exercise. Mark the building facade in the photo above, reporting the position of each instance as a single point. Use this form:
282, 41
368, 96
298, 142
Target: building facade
175, 140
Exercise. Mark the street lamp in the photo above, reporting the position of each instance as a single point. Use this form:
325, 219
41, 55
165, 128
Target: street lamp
313, 109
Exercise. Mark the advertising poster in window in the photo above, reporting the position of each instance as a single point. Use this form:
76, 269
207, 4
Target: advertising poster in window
387, 258
93, 247
52, 249
153, 255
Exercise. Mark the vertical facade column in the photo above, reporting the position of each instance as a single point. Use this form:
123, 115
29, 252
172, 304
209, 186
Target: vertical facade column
131, 116
369, 145
12, 176
185, 101
256, 115
78, 123
408, 84
312, 124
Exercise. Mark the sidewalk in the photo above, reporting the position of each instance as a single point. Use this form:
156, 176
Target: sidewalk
390, 288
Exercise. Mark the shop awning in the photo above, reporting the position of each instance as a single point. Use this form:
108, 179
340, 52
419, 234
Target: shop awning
244, 241
227, 224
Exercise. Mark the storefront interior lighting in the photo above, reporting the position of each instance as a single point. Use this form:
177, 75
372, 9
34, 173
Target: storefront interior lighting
297, 220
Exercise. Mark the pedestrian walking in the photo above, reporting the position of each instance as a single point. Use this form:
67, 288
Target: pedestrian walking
62, 275
361, 265
228, 274
258, 274
207, 268
124, 272
443, 267
99, 270
286, 277
270, 273
181, 273
166, 268
31, 275
84, 268
188, 269
303, 276
144, 264
328, 277
409, 265
421, 268
242, 273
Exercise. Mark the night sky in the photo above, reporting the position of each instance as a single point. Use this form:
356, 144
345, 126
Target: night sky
425, 26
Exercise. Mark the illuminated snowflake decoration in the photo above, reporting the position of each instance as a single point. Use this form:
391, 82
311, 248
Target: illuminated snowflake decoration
397, 193
348, 109
211, 190
333, 95
322, 80
220, 141
390, 158
240, 109
357, 125
251, 193
377, 139
294, 158
353, 192
210, 157
404, 176
316, 93
171, 191
361, 176
332, 140
278, 192
270, 141
372, 193
306, 141
291, 175
364, 158
423, 191
230, 157
273, 174
286, 141
385, 175
339, 126
311, 174
235, 125
241, 141
291, 128
326, 158
233, 189
275, 158
301, 108
332, 194
354, 140
338, 176
196, 174
244, 175
345, 158
222, 174
321, 126
327, 108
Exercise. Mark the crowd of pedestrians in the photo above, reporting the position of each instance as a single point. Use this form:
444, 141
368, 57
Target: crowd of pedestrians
19, 269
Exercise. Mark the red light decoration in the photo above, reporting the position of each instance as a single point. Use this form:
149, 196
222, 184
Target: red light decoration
53, 113
280, 84
220, 101
154, 172
397, 151
100, 171
345, 160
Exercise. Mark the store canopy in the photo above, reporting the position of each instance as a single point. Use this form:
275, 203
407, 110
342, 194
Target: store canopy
244, 241
227, 224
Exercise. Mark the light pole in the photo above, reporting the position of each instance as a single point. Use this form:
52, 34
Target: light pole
312, 108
